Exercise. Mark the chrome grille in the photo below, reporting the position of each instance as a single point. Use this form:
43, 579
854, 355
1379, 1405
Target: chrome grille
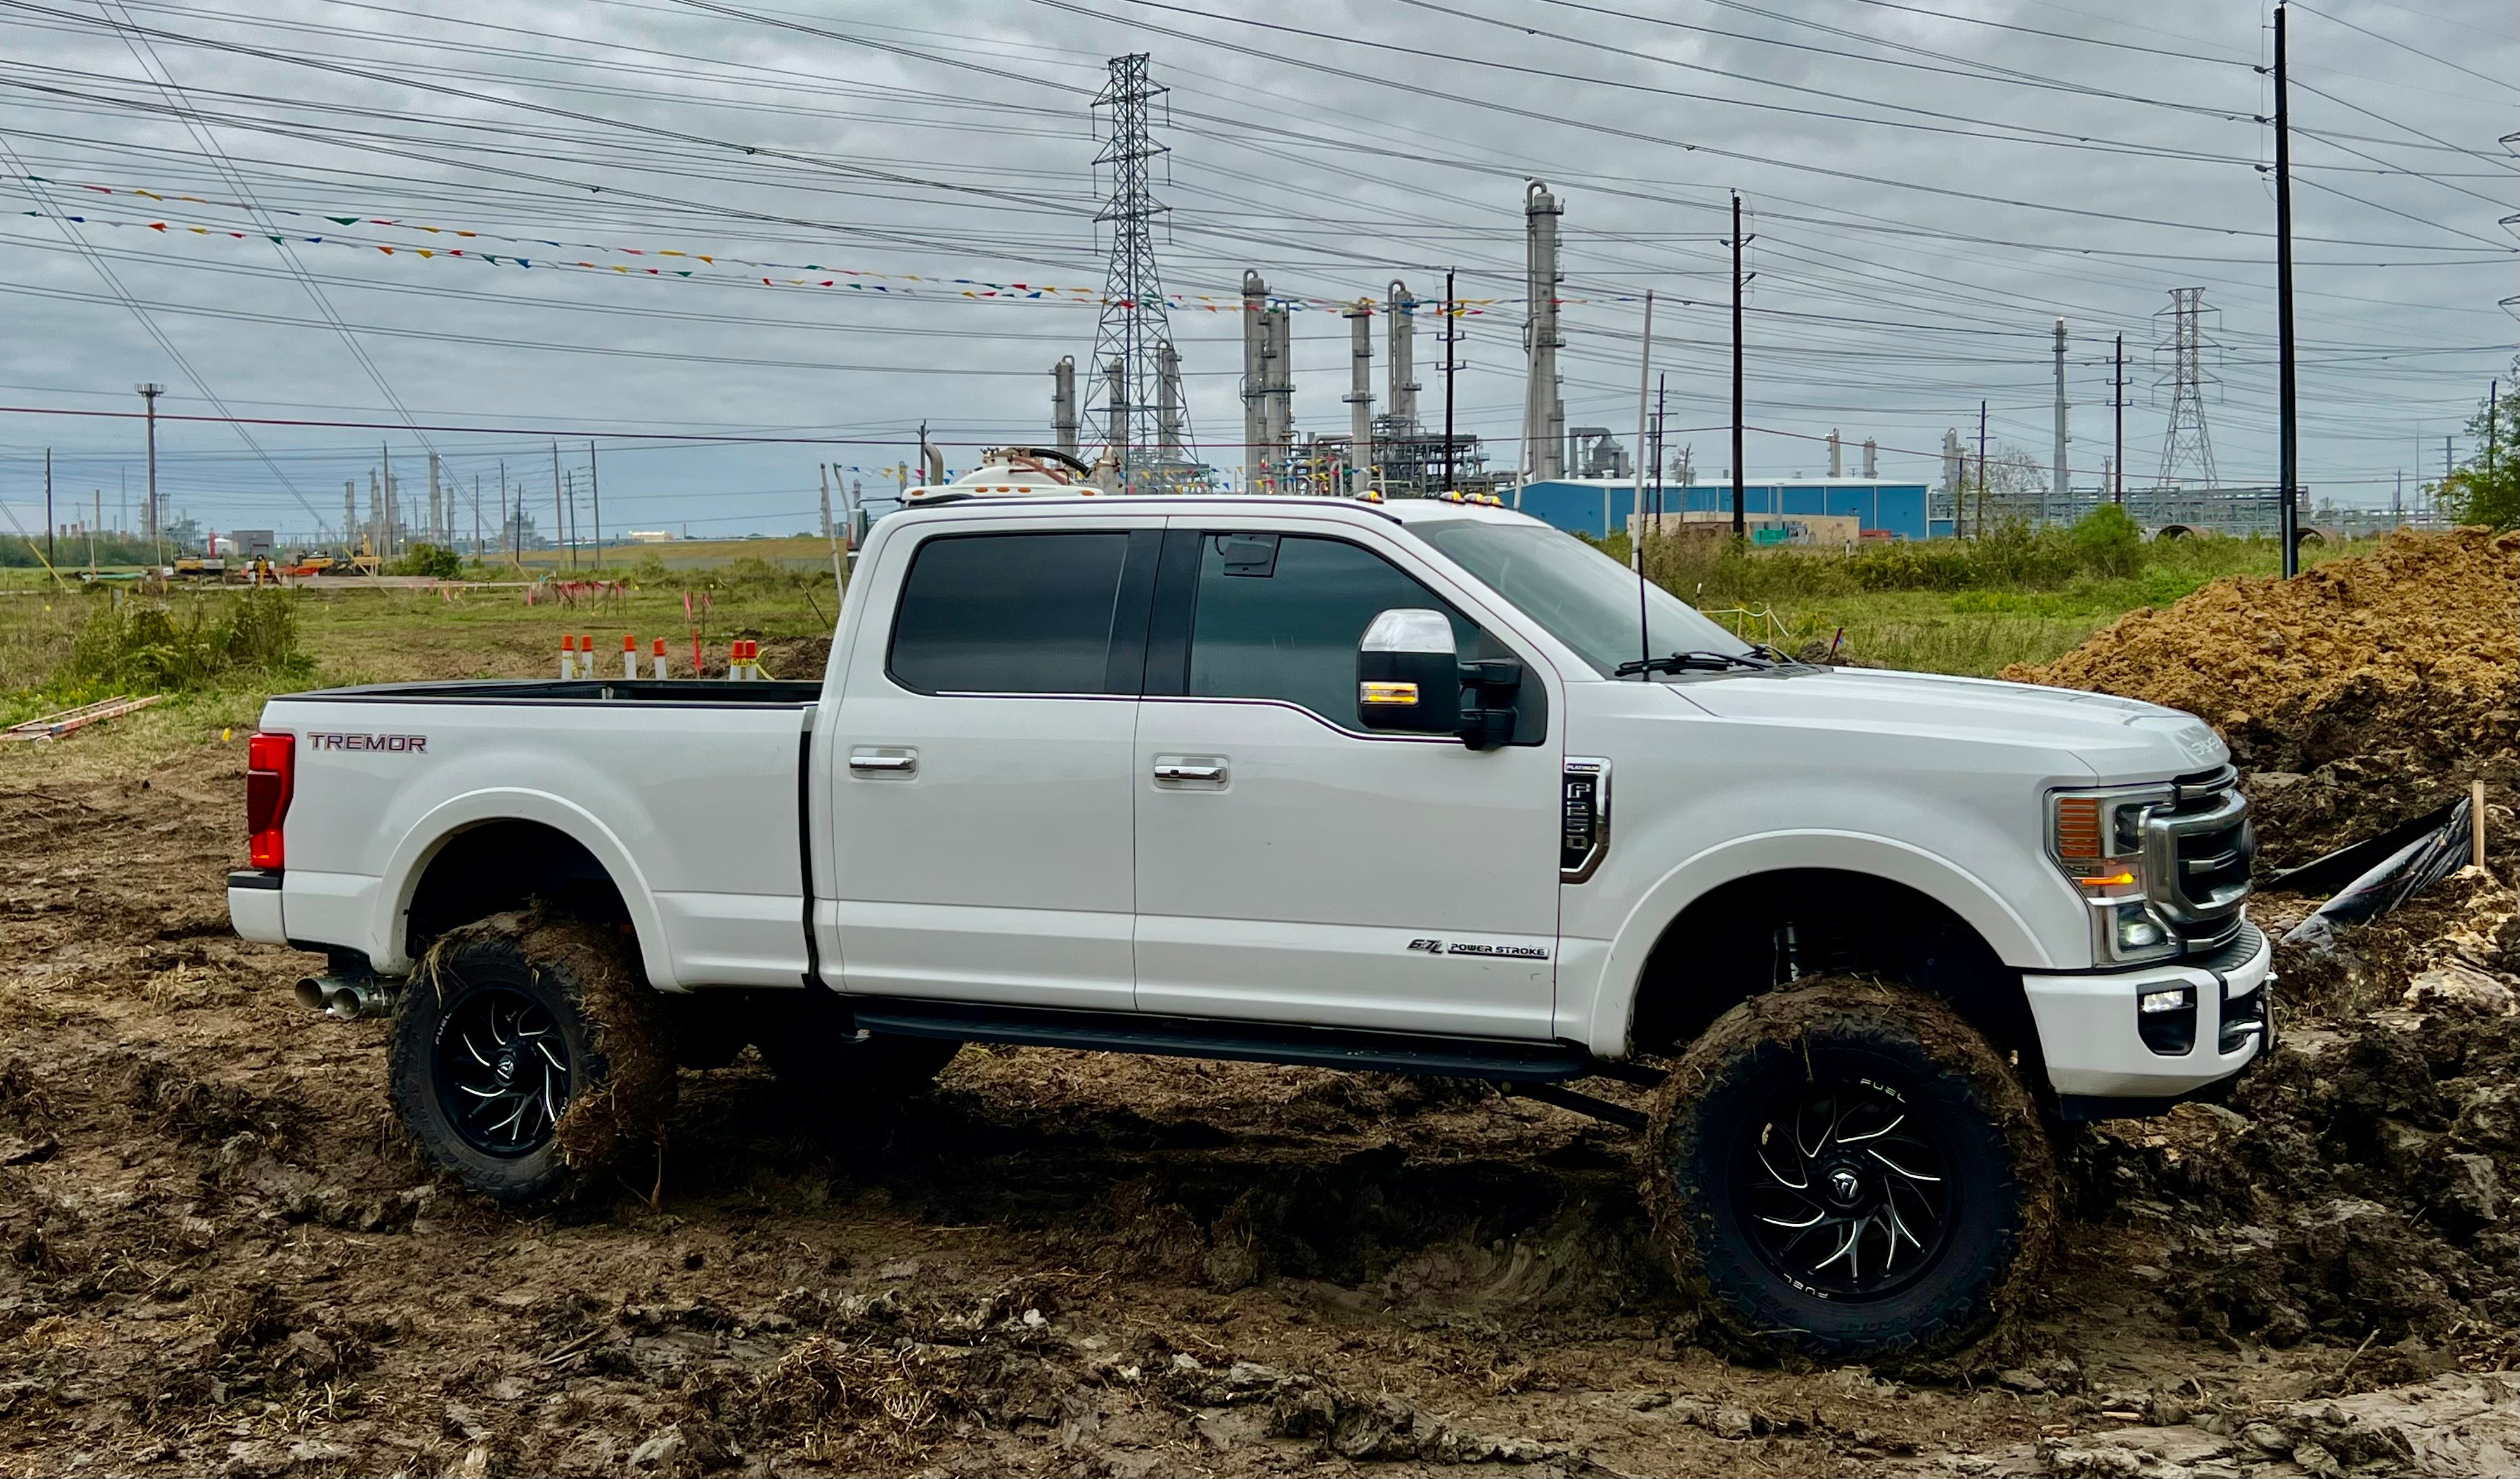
2198, 847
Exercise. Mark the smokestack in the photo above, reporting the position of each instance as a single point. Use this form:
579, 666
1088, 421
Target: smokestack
1543, 414
1402, 331
1836, 455
1168, 438
1062, 403
1360, 395
1258, 382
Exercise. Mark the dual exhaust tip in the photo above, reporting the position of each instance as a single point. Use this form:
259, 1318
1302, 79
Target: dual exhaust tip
344, 997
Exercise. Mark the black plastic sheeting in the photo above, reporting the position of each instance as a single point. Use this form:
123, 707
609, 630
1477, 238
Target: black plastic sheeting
2430, 857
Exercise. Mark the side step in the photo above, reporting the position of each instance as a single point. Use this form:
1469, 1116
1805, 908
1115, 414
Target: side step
1247, 1042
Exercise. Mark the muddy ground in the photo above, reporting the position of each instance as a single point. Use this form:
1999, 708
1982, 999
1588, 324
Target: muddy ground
217, 1254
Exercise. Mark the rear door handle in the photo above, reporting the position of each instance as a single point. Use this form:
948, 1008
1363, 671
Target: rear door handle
884, 762
1179, 771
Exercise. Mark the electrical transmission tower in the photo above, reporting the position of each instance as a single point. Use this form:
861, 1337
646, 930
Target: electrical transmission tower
2184, 350
1135, 371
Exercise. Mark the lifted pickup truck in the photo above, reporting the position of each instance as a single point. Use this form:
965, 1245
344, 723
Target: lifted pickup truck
1368, 786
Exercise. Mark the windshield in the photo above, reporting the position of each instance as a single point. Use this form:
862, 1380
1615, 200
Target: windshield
1585, 598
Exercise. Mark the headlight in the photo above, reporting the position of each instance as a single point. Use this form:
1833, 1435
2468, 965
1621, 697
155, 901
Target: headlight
2096, 839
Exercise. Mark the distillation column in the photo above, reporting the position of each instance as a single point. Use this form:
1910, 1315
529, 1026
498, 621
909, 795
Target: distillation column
1360, 394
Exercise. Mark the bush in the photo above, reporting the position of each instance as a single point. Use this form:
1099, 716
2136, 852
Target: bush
435, 562
2107, 542
154, 647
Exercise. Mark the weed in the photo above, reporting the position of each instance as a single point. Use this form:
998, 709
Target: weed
133, 644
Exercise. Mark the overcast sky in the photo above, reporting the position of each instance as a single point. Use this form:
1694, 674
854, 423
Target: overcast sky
1928, 186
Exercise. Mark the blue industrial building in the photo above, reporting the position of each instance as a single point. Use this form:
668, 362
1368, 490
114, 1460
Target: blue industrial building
1597, 506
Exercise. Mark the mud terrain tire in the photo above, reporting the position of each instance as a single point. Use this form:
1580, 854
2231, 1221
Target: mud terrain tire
1847, 1170
827, 1067
526, 1049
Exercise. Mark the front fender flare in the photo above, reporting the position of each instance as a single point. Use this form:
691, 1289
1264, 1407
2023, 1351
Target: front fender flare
421, 843
1964, 893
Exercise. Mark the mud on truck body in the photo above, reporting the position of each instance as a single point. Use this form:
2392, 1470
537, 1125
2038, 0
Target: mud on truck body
1422, 788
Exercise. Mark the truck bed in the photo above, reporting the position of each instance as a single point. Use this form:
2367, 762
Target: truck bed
639, 691
684, 794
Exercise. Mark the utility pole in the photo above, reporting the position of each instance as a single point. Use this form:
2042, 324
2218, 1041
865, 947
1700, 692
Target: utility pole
2287, 429
1452, 365
1644, 421
560, 518
2063, 489
96, 517
1662, 395
477, 515
2117, 408
507, 528
51, 555
1740, 515
595, 493
149, 390
1981, 470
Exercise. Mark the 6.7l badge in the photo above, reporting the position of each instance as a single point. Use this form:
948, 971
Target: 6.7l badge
1476, 947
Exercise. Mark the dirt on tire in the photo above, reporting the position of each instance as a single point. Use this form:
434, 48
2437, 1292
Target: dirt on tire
1792, 1017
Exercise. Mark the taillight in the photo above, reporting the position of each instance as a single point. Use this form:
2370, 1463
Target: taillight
271, 772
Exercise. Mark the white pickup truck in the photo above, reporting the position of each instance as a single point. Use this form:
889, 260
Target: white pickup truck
1418, 786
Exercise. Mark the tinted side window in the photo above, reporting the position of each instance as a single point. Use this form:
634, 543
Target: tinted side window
1287, 628
1009, 614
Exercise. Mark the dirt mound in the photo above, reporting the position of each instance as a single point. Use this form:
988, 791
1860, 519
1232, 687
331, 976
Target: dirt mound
2358, 1188
2365, 691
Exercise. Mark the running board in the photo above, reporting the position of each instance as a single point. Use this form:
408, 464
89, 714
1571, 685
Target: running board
1246, 1042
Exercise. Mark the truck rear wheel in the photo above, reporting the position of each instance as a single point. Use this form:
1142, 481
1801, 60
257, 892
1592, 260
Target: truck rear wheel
1846, 1171
525, 1048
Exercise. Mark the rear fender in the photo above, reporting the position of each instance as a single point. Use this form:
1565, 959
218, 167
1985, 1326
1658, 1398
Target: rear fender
421, 844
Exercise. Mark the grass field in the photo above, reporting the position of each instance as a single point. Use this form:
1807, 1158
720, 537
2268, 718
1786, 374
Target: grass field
1993, 608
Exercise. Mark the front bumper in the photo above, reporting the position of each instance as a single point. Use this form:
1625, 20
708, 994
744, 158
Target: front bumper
253, 906
2087, 1023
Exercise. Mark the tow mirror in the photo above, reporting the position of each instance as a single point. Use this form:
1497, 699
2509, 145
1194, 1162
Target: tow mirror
1409, 674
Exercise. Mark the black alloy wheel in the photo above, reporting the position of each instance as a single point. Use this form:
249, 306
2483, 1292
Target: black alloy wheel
503, 1070
1843, 1191
1847, 1170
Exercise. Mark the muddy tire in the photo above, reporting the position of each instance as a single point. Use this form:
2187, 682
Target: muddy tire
827, 1067
1847, 1170
525, 1049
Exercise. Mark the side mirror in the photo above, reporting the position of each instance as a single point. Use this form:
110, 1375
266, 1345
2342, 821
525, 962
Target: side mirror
1409, 674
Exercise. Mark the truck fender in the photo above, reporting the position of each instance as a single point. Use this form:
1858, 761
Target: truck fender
1965, 894
418, 845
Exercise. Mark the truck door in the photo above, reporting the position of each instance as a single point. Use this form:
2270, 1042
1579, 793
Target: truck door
1292, 867
982, 785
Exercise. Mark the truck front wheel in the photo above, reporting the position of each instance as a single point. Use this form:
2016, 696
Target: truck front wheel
1847, 1170
525, 1048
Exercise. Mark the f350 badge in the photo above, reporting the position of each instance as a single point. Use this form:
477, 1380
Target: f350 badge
1474, 948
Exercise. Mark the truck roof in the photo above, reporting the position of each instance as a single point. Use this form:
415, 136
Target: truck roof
1401, 510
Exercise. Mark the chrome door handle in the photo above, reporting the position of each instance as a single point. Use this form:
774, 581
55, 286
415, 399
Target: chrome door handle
1175, 772
884, 765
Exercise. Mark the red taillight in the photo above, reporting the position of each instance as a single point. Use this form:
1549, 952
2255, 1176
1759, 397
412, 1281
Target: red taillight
271, 772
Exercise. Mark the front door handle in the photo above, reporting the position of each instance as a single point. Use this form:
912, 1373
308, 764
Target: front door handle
899, 763
1179, 771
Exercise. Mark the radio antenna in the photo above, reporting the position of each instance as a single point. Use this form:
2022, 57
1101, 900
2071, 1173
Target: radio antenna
1637, 497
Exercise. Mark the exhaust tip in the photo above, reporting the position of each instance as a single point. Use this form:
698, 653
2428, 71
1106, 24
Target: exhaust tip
310, 994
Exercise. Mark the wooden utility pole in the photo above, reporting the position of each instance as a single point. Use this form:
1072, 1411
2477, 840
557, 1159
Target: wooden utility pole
51, 555
595, 495
1452, 366
2117, 405
560, 516
2287, 432
1740, 516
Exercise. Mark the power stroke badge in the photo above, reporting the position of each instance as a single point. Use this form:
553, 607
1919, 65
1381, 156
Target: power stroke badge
1474, 948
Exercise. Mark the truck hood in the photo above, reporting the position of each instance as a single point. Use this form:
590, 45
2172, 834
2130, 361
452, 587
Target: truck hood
2121, 740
